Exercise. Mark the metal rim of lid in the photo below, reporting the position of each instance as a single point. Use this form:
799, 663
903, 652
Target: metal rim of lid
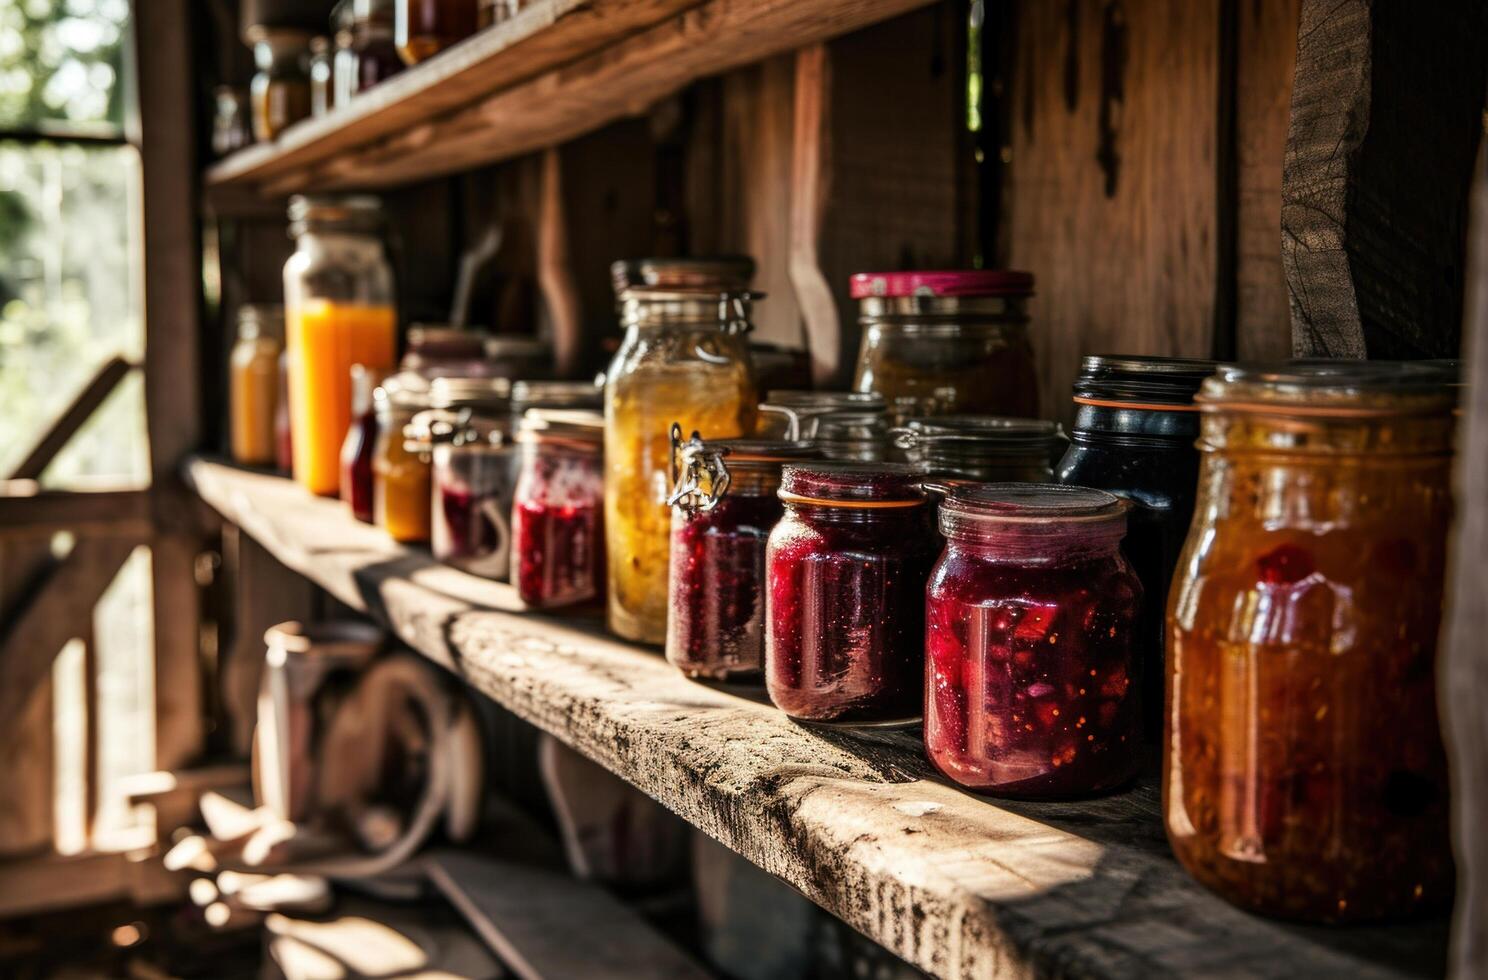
943, 283
852, 401
1034, 502
566, 393
559, 423
985, 428
815, 471
1333, 388
762, 450
457, 392
1141, 380
334, 207
702, 274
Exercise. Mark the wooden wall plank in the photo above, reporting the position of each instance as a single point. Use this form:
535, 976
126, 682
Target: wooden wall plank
26, 754
1266, 54
1110, 193
1384, 121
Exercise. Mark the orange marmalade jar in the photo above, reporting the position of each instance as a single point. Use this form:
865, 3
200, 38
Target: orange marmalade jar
1304, 772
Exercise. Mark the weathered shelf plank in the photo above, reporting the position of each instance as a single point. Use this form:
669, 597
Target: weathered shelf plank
561, 68
957, 885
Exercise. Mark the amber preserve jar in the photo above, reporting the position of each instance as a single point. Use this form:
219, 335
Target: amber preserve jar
1304, 774
684, 360
947, 343
1030, 642
846, 570
724, 506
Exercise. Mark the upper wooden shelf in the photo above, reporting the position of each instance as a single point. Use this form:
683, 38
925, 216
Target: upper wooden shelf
956, 884
557, 70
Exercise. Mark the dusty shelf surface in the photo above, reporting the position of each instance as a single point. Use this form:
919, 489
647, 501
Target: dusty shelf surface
557, 70
958, 885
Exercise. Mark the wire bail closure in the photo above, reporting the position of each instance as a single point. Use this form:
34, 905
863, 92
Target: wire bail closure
691, 462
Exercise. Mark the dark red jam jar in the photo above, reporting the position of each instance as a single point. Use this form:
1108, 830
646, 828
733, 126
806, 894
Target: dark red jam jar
724, 506
1032, 680
558, 515
846, 569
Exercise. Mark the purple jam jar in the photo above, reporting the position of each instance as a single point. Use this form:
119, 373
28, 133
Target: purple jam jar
1031, 677
846, 572
558, 515
724, 506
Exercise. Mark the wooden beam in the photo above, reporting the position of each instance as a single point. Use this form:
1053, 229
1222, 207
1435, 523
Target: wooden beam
27, 511
1464, 662
1372, 220
50, 883
57, 610
66, 425
27, 821
622, 79
528, 916
810, 163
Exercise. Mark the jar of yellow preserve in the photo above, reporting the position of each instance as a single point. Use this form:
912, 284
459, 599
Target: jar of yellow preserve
338, 298
685, 360
402, 491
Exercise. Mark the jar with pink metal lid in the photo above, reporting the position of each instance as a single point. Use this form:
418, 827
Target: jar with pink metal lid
947, 343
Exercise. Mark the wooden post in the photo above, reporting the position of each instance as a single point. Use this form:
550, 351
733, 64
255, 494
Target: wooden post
1384, 124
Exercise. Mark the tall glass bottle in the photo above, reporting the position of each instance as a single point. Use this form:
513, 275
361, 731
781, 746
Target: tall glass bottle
684, 360
339, 311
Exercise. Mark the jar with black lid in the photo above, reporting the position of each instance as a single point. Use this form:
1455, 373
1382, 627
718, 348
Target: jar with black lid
1134, 433
984, 448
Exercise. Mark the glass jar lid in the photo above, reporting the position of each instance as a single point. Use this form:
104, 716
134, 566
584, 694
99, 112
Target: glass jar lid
562, 427
261, 320
978, 435
943, 283
827, 414
708, 275
1160, 383
1332, 389
1030, 520
846, 483
555, 394
334, 212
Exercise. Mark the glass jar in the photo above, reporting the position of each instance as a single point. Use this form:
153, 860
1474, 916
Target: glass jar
573, 395
724, 506
231, 126
339, 310
846, 569
842, 424
984, 448
376, 56
558, 516
684, 360
440, 351
344, 76
253, 383
1030, 649
322, 76
947, 343
497, 11
401, 486
468, 432
1304, 774
1135, 426
280, 91
423, 28
358, 450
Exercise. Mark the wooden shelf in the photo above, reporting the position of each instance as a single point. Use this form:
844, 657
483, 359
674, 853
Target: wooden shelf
557, 70
956, 884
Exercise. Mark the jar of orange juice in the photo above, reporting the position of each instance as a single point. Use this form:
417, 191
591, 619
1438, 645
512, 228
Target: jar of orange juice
339, 311
684, 361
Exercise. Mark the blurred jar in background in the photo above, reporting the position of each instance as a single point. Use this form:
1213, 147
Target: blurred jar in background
496, 11
322, 76
231, 128
372, 40
339, 311
253, 383
280, 92
360, 444
436, 350
423, 28
402, 493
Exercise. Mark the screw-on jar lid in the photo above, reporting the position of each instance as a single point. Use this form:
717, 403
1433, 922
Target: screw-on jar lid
943, 283
715, 274
855, 483
1137, 382
1034, 502
490, 395
1333, 388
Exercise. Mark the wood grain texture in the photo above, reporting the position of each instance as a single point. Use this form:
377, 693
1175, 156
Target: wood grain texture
809, 181
1464, 663
1384, 123
625, 78
959, 886
1266, 50
26, 753
1110, 192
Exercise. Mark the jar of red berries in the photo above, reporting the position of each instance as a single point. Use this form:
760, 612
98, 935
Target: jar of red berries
558, 514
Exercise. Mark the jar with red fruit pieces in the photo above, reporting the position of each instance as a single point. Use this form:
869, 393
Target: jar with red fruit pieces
846, 569
468, 433
724, 506
1030, 688
558, 515
1304, 771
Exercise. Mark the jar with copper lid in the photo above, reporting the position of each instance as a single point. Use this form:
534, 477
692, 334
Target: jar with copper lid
1030, 642
846, 569
423, 28
558, 514
844, 425
1304, 772
684, 360
983, 448
947, 343
1135, 427
724, 506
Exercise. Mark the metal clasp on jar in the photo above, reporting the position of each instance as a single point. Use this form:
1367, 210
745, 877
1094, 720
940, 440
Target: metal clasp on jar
691, 461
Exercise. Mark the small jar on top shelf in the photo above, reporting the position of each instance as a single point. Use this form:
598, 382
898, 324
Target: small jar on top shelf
947, 343
280, 90
423, 28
